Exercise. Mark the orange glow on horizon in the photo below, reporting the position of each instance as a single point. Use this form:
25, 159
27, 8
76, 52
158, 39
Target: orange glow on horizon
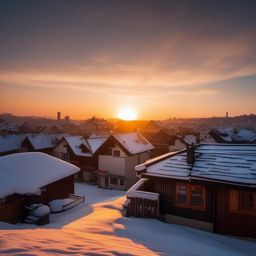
127, 114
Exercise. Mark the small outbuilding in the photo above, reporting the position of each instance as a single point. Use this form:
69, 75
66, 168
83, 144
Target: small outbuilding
33, 177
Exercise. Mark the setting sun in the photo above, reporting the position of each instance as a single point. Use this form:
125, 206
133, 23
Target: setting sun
127, 114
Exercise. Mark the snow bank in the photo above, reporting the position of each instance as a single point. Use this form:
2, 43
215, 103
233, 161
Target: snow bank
41, 211
100, 229
57, 205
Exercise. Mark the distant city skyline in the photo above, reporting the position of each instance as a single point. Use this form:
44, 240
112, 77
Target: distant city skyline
159, 58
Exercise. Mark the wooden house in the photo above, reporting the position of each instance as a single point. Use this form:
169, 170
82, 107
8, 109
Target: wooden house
40, 142
118, 157
211, 187
33, 177
82, 153
11, 143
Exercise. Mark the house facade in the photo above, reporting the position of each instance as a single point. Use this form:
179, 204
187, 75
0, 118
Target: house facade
28, 178
82, 153
210, 187
118, 157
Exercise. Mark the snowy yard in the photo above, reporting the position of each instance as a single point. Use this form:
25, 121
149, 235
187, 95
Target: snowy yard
97, 227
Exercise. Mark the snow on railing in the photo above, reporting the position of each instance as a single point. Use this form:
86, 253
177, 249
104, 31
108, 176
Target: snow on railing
134, 191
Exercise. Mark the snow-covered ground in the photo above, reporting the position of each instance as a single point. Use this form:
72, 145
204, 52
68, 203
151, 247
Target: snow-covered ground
97, 227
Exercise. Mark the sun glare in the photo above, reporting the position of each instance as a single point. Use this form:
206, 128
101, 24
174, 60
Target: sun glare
127, 114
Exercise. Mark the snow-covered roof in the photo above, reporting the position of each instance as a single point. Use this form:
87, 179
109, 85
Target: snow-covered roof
233, 135
96, 141
245, 135
43, 141
190, 139
26, 173
11, 142
225, 163
75, 143
133, 142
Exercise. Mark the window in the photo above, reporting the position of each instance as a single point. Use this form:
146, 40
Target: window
246, 200
181, 194
116, 153
197, 196
243, 202
121, 182
114, 181
64, 156
190, 196
108, 152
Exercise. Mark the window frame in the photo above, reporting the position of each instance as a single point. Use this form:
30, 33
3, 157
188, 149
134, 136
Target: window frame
116, 151
113, 178
235, 204
187, 204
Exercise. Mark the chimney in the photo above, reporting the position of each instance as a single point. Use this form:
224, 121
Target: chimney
191, 154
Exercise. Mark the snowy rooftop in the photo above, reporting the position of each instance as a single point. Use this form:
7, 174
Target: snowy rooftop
43, 141
11, 142
75, 143
26, 173
230, 134
190, 139
95, 142
222, 163
134, 142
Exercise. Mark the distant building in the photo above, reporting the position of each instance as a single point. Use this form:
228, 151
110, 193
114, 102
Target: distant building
40, 142
58, 116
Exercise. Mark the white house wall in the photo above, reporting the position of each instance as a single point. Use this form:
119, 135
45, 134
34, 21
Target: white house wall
114, 165
60, 149
130, 163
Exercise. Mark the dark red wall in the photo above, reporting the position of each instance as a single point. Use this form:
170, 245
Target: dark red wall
228, 222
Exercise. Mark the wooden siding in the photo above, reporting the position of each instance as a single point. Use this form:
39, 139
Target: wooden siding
166, 189
141, 207
232, 223
11, 210
59, 189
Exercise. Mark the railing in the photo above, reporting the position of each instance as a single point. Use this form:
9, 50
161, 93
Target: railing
142, 203
76, 200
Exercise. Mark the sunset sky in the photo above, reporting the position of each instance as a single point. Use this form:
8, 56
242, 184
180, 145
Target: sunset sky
161, 58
